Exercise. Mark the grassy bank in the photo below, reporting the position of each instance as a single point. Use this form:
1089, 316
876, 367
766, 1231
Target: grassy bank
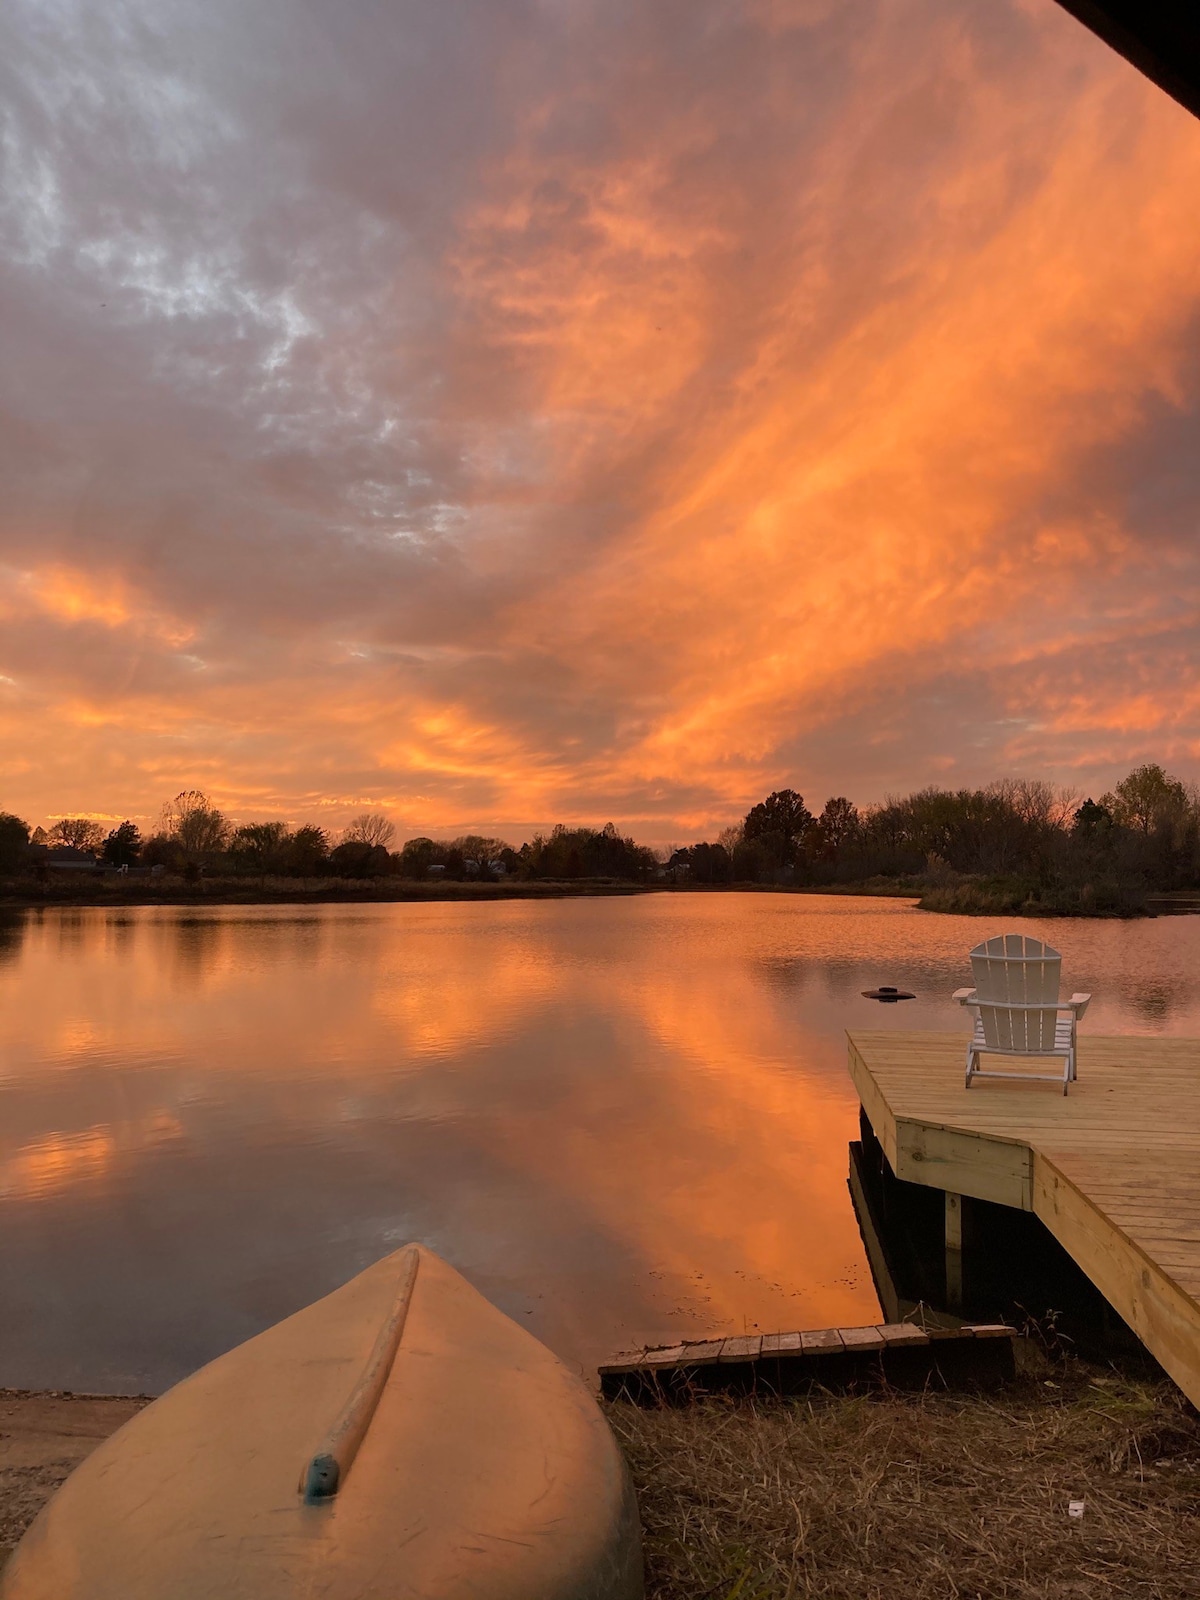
925, 1497
110, 890
965, 897
986, 897
70, 889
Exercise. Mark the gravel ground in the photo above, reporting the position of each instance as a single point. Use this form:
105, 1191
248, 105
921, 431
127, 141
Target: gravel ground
42, 1437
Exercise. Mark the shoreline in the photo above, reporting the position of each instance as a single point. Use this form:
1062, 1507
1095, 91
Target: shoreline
44, 1435
384, 891
965, 900
308, 892
867, 1493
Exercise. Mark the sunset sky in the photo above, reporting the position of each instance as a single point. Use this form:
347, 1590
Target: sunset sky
511, 411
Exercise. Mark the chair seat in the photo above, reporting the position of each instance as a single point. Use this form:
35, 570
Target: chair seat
1061, 1047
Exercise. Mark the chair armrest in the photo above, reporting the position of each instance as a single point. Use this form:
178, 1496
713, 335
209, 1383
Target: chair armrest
963, 996
1079, 1004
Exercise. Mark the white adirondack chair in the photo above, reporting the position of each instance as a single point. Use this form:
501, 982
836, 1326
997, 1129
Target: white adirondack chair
1017, 1009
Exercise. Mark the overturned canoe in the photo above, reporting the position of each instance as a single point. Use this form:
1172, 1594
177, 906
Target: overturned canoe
400, 1438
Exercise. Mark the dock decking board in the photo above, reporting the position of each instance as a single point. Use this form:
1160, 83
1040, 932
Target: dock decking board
1112, 1169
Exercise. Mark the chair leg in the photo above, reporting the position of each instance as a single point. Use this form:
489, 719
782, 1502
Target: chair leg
972, 1065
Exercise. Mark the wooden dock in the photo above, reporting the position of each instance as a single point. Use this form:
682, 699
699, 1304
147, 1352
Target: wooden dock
1112, 1169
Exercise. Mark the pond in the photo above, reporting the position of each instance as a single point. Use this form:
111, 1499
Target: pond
625, 1120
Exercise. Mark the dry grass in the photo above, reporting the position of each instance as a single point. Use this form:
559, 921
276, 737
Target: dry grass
921, 1497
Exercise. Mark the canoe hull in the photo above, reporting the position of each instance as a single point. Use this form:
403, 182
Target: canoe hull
487, 1471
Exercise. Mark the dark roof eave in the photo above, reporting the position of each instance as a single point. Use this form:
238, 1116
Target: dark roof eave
1160, 37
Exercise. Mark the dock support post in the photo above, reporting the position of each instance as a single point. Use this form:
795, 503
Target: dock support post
954, 1246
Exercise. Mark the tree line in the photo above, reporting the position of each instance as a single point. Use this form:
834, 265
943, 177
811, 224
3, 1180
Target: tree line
1041, 842
1024, 841
195, 838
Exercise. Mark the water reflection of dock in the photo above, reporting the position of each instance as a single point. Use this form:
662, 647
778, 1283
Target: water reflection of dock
1112, 1170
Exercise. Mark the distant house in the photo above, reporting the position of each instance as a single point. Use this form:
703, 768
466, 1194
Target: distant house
66, 858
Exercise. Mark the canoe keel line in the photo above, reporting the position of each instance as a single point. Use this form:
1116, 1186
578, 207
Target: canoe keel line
444, 1454
324, 1474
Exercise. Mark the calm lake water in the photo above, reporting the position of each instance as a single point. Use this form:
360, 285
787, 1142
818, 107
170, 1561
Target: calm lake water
622, 1119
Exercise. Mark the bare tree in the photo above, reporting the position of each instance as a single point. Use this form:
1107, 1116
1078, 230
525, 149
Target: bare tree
81, 833
370, 827
193, 820
1036, 801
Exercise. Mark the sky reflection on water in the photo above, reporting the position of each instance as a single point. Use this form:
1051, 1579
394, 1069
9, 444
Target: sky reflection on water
623, 1119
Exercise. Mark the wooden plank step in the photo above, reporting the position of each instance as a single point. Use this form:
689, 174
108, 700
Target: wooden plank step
821, 1341
899, 1352
778, 1344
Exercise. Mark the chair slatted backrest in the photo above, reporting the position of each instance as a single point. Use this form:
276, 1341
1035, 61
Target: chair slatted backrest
1015, 971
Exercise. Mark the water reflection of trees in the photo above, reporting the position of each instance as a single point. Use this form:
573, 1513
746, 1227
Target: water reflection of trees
197, 946
74, 929
12, 935
203, 947
120, 933
1155, 1001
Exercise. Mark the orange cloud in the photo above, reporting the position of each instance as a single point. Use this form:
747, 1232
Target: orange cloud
72, 595
879, 503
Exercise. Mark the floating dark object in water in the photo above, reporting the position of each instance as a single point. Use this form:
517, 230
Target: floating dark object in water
887, 994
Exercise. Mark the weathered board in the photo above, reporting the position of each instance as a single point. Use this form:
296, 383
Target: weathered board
898, 1353
1112, 1169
